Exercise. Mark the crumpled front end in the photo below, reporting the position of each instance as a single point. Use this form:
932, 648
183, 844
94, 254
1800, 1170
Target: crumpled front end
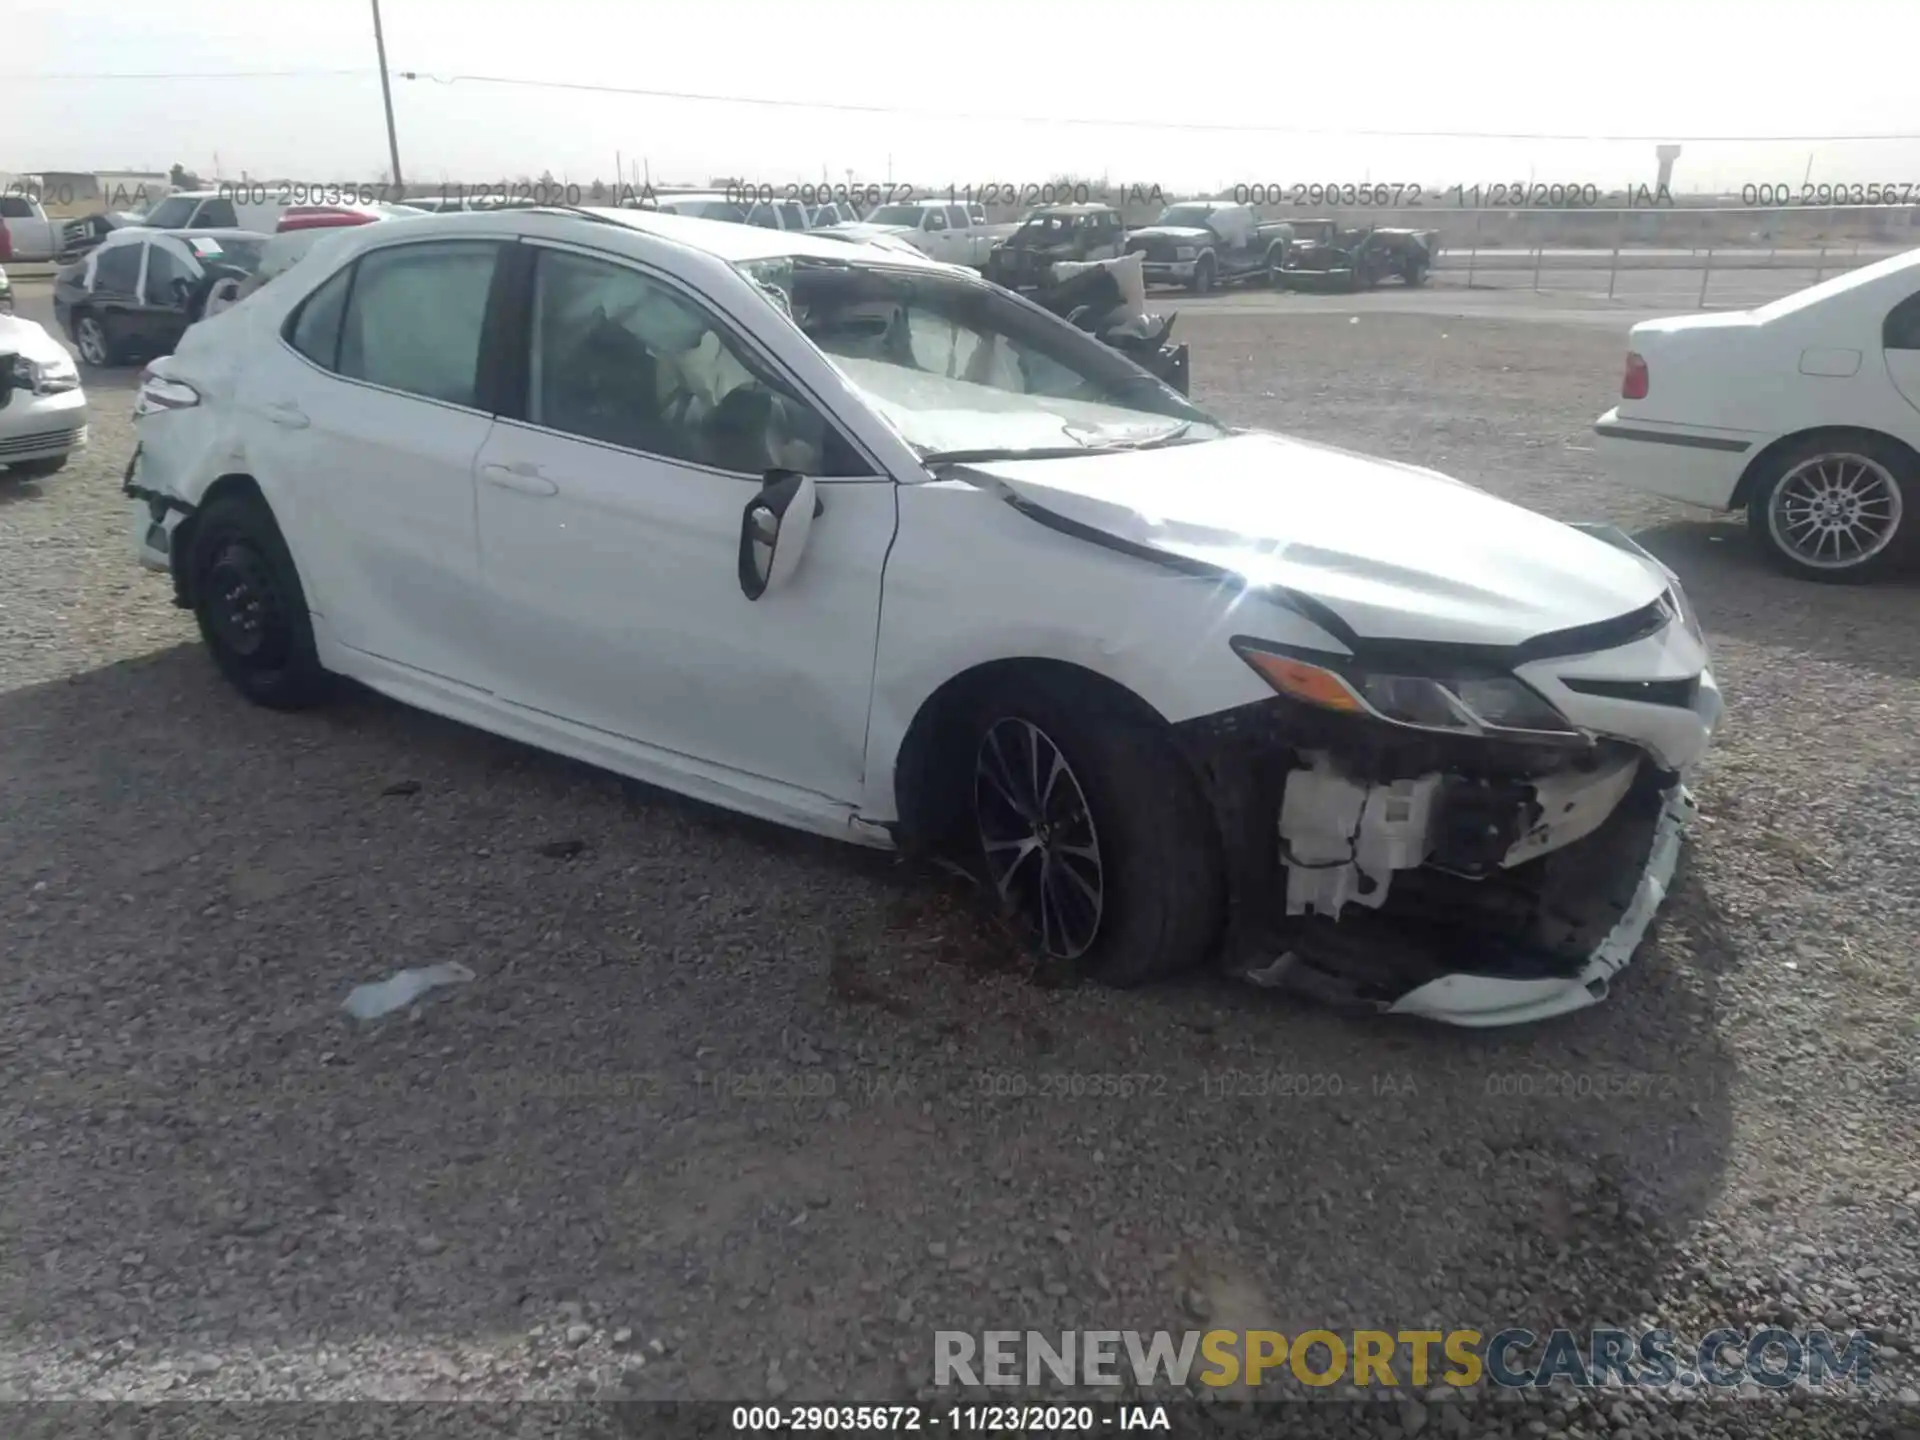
1483, 875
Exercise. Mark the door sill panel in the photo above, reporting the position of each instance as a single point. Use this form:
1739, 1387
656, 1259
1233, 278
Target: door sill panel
715, 784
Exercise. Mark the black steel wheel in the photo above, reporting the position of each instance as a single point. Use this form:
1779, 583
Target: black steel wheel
249, 603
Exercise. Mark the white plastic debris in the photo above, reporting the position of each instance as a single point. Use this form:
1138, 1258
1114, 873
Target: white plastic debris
369, 1002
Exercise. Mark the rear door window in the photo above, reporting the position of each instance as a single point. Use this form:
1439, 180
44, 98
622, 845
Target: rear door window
414, 318
116, 271
315, 332
1902, 330
163, 268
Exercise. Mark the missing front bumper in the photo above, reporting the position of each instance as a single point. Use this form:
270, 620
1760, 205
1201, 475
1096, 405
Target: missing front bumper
1478, 885
1595, 904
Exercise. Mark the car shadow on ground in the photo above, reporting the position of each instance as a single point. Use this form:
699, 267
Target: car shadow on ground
20, 490
1737, 593
719, 1083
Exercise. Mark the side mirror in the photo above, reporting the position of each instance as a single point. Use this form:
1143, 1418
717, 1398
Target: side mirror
181, 289
773, 531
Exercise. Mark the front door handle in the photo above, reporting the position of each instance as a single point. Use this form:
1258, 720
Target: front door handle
521, 476
288, 415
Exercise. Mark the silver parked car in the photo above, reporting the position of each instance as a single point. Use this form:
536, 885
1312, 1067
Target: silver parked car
43, 410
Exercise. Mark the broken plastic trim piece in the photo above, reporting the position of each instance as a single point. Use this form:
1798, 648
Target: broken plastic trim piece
1487, 1000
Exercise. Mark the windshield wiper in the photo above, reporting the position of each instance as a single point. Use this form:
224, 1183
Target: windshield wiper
1032, 452
1176, 433
1057, 452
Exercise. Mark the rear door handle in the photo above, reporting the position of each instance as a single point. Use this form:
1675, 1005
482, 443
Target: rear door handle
521, 476
288, 415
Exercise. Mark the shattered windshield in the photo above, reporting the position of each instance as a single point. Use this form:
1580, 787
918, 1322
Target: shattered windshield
959, 367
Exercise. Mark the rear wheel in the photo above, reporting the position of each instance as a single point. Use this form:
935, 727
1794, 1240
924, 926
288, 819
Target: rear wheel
1835, 507
1093, 831
95, 340
250, 605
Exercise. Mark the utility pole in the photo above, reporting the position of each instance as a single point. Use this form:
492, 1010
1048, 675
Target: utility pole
386, 96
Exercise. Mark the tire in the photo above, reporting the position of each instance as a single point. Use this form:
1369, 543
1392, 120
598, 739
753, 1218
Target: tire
1853, 488
1202, 280
95, 340
250, 605
1276, 267
1415, 273
34, 469
1124, 793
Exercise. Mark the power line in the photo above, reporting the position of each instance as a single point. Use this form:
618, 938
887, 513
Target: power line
1131, 123
1097, 122
185, 75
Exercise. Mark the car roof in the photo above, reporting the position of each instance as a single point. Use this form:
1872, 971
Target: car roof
725, 240
1082, 207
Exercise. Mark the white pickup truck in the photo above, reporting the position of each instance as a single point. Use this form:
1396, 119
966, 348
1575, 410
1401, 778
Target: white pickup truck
26, 234
952, 232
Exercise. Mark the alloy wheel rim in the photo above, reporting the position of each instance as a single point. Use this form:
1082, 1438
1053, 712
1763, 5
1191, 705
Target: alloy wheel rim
242, 607
1037, 833
1835, 511
93, 343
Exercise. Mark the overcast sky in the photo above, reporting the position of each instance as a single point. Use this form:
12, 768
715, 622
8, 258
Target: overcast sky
1585, 67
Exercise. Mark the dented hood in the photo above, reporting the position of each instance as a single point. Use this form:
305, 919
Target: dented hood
1396, 551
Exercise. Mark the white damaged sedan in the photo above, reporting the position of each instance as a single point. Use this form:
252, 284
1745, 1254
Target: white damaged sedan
851, 541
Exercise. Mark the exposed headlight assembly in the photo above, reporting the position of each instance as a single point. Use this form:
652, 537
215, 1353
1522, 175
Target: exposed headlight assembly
45, 377
1488, 704
1185, 252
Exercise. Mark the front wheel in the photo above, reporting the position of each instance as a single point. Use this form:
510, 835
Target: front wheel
1203, 275
250, 605
1416, 272
1833, 508
1277, 266
1093, 832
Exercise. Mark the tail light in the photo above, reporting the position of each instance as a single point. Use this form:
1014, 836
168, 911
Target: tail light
6, 243
1633, 385
158, 393
321, 217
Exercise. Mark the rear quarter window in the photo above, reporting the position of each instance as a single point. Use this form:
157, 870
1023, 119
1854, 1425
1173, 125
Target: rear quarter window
315, 328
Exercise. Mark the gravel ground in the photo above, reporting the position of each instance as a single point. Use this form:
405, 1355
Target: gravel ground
724, 1113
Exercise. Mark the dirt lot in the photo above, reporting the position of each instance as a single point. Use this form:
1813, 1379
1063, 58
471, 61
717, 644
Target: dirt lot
725, 1111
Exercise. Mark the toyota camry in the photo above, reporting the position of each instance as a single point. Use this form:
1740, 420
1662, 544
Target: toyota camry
863, 544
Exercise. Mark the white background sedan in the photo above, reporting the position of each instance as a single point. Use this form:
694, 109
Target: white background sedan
859, 543
1805, 413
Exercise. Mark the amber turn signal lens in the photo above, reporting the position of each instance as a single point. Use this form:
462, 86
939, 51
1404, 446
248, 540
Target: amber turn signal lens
1303, 681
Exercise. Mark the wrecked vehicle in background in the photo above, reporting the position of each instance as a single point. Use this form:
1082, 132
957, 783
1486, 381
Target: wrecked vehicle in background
1204, 243
1108, 299
1050, 235
1326, 256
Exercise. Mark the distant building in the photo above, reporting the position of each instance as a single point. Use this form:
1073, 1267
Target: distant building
131, 189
